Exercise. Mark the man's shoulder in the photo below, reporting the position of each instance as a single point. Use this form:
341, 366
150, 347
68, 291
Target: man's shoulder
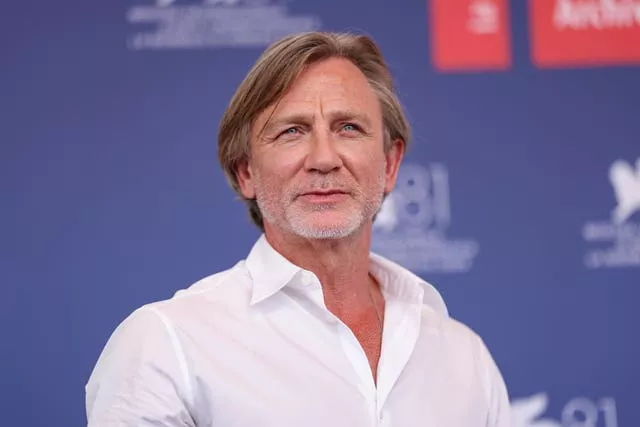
225, 285
450, 328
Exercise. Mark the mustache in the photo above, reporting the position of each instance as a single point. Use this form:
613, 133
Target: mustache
322, 186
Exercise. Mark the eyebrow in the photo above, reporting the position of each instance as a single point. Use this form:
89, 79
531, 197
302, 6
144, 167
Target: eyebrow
336, 116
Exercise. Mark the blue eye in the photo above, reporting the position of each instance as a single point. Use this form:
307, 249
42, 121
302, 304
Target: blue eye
291, 131
349, 127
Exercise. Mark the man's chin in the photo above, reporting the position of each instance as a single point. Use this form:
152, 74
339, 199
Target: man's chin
324, 228
323, 233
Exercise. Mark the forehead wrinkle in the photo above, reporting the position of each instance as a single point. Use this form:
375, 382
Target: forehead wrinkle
319, 104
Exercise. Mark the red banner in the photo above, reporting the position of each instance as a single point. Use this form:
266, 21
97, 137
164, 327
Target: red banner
584, 32
470, 34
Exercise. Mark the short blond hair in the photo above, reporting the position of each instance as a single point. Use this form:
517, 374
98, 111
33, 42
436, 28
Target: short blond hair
273, 74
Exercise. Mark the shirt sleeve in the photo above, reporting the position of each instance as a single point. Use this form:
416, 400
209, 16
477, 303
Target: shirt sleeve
499, 409
141, 377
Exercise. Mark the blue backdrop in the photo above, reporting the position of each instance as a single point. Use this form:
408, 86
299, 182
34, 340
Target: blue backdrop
112, 195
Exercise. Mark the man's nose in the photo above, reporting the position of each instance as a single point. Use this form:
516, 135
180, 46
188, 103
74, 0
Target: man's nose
323, 156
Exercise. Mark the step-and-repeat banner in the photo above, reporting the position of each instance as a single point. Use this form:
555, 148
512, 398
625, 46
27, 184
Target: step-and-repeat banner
519, 198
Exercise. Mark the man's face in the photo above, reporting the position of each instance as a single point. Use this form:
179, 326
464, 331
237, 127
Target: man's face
318, 168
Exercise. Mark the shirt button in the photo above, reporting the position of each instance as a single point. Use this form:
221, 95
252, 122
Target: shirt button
308, 279
384, 418
303, 280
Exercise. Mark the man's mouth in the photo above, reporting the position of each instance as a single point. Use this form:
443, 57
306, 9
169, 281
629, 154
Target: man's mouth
323, 192
324, 196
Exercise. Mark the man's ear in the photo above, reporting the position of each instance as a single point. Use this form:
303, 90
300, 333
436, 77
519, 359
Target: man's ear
394, 157
244, 175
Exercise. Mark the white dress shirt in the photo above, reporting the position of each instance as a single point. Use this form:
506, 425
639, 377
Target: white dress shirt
255, 346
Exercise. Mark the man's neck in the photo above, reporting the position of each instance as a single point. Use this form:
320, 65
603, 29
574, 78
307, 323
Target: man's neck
341, 265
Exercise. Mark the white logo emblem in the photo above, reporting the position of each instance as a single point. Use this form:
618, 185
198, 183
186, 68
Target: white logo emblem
411, 226
181, 24
579, 411
526, 412
621, 231
484, 17
626, 184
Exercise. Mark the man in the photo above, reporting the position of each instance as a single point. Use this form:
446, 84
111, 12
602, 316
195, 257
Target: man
311, 329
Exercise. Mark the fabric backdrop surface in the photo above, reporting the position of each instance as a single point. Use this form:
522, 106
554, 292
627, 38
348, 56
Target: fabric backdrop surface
519, 198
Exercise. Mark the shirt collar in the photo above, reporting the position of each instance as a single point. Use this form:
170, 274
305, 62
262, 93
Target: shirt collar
399, 283
270, 272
